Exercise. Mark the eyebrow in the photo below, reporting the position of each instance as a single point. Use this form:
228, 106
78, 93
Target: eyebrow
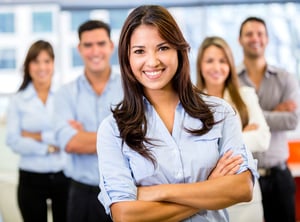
163, 43
91, 42
138, 46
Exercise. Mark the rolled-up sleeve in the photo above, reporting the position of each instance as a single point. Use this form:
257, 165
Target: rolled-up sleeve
116, 182
232, 139
64, 112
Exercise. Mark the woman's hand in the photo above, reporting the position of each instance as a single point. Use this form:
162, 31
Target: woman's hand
76, 125
250, 127
227, 165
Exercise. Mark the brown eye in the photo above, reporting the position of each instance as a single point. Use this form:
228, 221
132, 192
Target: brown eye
138, 51
163, 48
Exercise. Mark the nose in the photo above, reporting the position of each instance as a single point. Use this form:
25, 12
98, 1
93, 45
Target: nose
254, 37
95, 49
216, 65
153, 59
42, 65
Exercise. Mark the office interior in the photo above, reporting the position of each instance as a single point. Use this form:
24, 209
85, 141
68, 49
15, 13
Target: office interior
22, 22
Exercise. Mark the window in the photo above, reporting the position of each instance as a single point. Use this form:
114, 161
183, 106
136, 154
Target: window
76, 59
78, 17
282, 49
7, 58
41, 22
117, 18
7, 23
114, 58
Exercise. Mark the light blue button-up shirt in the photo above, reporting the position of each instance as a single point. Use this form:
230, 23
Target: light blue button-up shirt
27, 112
181, 157
78, 101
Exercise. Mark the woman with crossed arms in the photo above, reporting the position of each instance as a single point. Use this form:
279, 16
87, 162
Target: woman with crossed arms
168, 152
216, 76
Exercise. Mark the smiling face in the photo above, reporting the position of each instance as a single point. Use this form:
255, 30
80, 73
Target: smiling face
152, 59
214, 67
96, 48
41, 69
253, 39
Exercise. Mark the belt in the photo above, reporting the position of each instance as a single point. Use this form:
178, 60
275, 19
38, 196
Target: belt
86, 187
268, 171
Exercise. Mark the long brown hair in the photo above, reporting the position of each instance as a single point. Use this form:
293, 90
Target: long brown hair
231, 82
130, 113
33, 52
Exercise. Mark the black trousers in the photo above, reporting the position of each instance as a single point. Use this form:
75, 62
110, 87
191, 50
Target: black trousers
33, 191
83, 204
278, 195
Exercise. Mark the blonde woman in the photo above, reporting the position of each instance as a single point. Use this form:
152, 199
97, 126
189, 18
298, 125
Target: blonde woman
216, 76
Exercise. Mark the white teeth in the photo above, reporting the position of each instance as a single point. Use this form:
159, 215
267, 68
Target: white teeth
153, 73
215, 74
96, 59
42, 73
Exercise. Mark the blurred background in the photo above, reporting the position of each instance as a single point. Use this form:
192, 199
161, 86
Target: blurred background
23, 22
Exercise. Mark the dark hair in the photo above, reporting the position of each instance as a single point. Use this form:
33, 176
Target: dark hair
253, 19
33, 52
91, 25
231, 82
130, 113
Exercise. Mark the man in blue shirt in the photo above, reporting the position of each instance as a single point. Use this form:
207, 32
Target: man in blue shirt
80, 107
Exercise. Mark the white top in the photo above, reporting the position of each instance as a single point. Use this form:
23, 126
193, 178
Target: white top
256, 140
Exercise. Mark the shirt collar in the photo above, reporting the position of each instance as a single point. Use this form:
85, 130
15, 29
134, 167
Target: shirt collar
271, 70
241, 69
84, 80
30, 91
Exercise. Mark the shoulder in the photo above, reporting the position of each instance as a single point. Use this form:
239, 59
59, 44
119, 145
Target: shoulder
115, 78
280, 72
247, 91
70, 87
275, 69
217, 105
240, 69
249, 96
108, 126
282, 76
25, 94
16, 98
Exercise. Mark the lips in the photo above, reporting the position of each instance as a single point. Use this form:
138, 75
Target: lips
96, 60
43, 74
153, 74
215, 75
255, 46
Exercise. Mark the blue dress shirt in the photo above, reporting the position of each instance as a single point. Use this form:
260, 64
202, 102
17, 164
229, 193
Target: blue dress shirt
181, 157
78, 101
27, 112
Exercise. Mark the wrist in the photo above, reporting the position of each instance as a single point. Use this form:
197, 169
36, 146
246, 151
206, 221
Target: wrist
51, 149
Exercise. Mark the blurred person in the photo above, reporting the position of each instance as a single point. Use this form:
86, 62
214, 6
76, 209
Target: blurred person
216, 76
80, 107
30, 133
278, 94
168, 152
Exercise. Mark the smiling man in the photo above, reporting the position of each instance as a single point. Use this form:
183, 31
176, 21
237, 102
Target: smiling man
80, 107
278, 94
